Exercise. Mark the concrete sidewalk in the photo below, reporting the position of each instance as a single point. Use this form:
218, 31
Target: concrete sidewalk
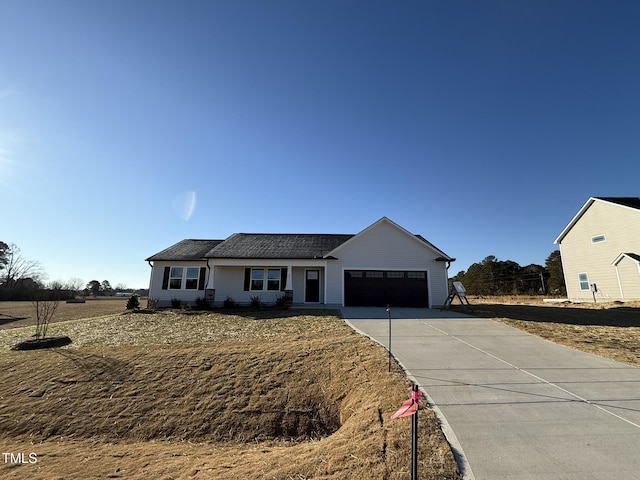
519, 407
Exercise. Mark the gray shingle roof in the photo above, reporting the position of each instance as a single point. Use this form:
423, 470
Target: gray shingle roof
277, 245
633, 202
186, 250
267, 246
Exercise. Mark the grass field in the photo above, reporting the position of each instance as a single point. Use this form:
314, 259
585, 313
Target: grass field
174, 395
21, 314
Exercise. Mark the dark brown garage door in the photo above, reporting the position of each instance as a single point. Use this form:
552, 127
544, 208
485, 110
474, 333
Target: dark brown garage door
378, 288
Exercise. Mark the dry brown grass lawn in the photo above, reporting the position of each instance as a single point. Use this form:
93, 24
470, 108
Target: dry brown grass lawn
210, 396
286, 395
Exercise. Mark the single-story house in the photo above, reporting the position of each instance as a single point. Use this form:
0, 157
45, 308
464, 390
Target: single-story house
600, 250
383, 264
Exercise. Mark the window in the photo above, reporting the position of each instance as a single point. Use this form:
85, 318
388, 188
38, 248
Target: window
193, 275
175, 278
598, 239
273, 279
257, 279
584, 281
419, 275
374, 274
395, 274
355, 274
183, 278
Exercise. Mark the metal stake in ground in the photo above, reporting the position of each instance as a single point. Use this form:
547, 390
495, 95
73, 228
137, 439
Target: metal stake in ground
389, 314
410, 409
415, 395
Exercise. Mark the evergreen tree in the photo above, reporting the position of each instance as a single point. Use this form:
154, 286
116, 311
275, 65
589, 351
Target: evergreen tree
556, 285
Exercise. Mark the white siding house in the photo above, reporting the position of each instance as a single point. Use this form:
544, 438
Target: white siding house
600, 250
383, 264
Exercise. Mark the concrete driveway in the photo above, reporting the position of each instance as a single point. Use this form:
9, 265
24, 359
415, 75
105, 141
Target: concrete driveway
517, 406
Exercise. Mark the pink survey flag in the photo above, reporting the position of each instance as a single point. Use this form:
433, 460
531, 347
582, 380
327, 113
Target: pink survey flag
409, 407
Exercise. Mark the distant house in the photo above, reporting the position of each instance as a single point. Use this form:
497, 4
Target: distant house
600, 250
383, 264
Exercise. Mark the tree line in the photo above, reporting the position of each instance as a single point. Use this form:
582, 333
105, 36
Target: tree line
23, 279
497, 277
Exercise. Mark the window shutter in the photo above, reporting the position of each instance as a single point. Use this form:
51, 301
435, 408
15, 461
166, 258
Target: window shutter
165, 278
247, 279
203, 275
283, 279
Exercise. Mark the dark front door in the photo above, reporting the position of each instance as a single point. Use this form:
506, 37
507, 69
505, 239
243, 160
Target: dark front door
312, 286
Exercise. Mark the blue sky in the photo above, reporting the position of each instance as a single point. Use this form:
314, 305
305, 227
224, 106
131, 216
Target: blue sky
126, 126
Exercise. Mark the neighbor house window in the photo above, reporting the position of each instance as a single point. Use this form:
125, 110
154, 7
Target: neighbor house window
257, 279
193, 274
273, 279
175, 278
598, 239
584, 281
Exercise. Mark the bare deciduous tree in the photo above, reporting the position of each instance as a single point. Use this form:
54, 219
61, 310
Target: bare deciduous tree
45, 309
17, 268
75, 284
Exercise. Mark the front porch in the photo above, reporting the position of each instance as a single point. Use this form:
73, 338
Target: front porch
301, 285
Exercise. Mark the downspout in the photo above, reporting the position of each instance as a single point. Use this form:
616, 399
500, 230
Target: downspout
150, 280
209, 292
448, 261
447, 272
619, 282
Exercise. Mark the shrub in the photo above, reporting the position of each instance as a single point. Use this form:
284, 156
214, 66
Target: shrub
152, 303
133, 303
176, 302
256, 301
229, 302
281, 301
202, 303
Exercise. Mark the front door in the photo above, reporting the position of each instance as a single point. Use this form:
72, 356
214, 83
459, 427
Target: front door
312, 286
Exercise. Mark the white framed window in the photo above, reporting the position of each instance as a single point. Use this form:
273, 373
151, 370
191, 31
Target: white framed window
257, 279
193, 275
273, 279
598, 238
175, 278
583, 278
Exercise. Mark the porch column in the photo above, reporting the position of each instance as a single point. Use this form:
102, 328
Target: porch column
288, 286
210, 288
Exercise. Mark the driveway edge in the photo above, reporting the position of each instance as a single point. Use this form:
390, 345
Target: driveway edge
449, 434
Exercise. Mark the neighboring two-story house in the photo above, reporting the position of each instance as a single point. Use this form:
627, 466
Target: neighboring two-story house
600, 250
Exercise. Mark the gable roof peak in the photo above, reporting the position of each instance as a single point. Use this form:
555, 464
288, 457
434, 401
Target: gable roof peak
419, 238
628, 202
